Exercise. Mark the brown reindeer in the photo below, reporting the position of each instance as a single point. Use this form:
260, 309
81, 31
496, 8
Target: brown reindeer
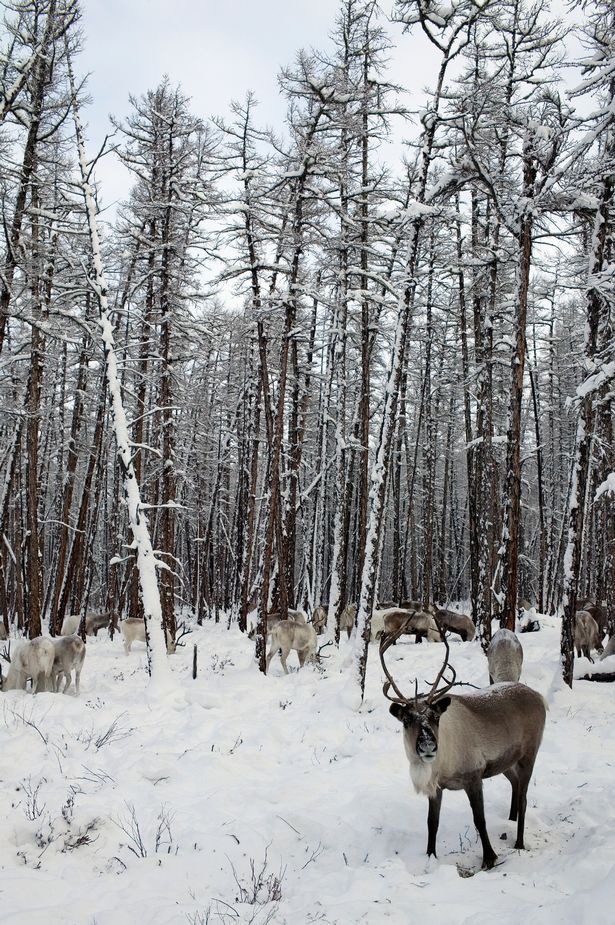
418, 624
417, 605
458, 623
453, 742
599, 614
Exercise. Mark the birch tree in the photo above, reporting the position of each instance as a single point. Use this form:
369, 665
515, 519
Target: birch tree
146, 560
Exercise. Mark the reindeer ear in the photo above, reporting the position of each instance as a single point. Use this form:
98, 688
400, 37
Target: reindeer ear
441, 705
397, 710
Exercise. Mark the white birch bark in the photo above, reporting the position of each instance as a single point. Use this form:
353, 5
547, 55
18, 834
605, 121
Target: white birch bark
158, 666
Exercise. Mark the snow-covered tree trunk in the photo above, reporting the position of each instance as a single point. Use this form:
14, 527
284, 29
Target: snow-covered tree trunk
509, 548
146, 561
581, 466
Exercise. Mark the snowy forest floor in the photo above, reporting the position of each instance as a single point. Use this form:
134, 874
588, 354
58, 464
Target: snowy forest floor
246, 799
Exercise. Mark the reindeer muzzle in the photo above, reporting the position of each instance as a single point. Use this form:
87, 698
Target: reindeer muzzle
426, 746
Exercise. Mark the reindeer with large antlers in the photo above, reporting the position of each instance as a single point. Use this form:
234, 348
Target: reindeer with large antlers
453, 742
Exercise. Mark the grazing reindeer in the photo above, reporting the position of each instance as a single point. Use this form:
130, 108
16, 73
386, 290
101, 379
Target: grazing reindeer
287, 635
458, 623
69, 656
33, 659
453, 742
319, 619
133, 630
418, 624
586, 634
93, 623
504, 657
347, 618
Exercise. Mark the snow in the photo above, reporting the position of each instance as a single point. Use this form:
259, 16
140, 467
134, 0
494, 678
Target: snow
279, 772
607, 486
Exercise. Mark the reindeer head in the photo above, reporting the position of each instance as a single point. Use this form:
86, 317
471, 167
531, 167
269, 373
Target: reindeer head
420, 715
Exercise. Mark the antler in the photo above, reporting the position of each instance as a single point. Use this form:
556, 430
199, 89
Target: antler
434, 693
386, 641
185, 631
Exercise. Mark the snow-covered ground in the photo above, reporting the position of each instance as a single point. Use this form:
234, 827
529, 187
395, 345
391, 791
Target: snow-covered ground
245, 799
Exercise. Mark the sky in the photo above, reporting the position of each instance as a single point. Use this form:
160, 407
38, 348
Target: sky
216, 50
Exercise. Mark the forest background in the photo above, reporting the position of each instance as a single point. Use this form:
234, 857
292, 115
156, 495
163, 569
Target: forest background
333, 374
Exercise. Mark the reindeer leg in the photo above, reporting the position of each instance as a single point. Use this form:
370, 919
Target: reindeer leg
524, 775
474, 790
283, 656
514, 803
433, 820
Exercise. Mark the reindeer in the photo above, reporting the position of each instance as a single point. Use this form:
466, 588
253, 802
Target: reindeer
458, 623
287, 635
33, 659
453, 742
417, 624
133, 630
93, 623
586, 634
599, 614
418, 605
319, 619
295, 616
347, 618
69, 655
504, 657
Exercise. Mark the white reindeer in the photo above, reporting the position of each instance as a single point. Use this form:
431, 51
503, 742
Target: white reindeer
69, 654
33, 659
287, 635
133, 630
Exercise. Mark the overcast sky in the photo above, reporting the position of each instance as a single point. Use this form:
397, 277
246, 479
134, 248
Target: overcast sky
216, 49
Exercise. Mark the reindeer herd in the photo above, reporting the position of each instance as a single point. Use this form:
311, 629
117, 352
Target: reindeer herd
46, 660
452, 740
